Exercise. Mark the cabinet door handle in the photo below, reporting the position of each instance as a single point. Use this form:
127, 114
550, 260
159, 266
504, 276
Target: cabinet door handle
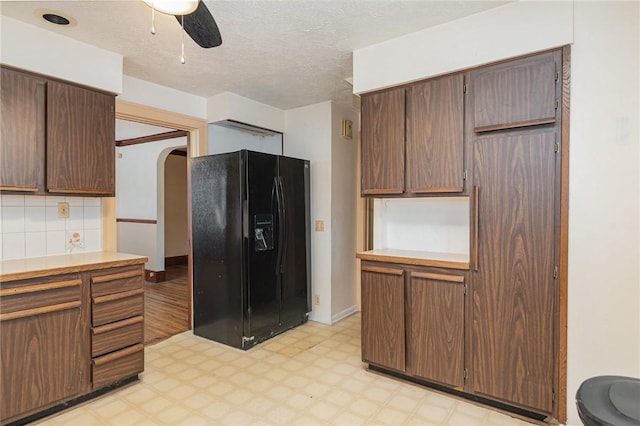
18, 188
40, 311
116, 296
112, 277
476, 223
5, 292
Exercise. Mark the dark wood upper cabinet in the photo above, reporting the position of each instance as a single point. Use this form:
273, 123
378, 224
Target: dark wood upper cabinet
383, 142
22, 147
516, 93
435, 327
80, 141
514, 291
383, 332
56, 137
435, 136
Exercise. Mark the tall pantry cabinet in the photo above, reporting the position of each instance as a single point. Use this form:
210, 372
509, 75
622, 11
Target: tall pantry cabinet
515, 186
493, 329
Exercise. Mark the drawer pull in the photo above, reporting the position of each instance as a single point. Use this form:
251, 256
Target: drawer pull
40, 311
438, 277
116, 296
113, 277
18, 188
115, 325
437, 189
80, 191
389, 271
117, 355
39, 287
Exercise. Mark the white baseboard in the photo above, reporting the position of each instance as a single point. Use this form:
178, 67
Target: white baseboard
342, 315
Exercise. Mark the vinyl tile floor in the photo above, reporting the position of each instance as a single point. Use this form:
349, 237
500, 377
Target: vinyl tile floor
311, 375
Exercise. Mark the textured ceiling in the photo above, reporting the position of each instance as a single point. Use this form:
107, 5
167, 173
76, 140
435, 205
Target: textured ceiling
287, 53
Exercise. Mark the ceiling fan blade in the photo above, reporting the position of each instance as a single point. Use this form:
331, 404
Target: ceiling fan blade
201, 27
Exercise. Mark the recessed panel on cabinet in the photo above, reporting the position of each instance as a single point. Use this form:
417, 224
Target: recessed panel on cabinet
23, 121
435, 327
382, 135
514, 292
383, 337
80, 140
117, 335
516, 93
117, 366
435, 136
116, 282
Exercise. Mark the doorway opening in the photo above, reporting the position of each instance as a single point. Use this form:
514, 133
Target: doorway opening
194, 131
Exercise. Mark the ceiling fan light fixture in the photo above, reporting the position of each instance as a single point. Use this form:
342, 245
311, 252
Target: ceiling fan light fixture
173, 7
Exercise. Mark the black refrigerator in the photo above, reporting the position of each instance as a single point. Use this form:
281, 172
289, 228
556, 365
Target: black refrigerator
251, 246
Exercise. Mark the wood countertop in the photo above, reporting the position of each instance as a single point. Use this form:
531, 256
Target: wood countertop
418, 258
35, 267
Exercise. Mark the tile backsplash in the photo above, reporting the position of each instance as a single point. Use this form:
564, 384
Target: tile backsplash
30, 226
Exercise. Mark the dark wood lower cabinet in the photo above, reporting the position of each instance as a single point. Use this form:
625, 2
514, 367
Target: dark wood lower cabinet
420, 331
383, 337
44, 344
47, 342
435, 327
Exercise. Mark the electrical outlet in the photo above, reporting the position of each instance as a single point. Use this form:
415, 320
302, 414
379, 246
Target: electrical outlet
63, 210
317, 299
319, 225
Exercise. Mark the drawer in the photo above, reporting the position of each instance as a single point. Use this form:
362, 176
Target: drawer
116, 282
32, 297
117, 366
116, 335
116, 307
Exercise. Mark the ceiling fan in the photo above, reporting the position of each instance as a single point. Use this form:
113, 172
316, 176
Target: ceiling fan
195, 18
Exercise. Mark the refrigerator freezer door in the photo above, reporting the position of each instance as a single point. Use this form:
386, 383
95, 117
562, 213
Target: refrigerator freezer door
216, 197
294, 178
263, 295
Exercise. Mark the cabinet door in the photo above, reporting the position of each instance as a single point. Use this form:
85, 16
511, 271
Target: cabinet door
44, 344
514, 302
383, 337
435, 327
435, 136
23, 132
383, 143
80, 141
516, 93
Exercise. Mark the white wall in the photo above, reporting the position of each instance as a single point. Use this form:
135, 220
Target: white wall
499, 33
145, 93
604, 194
140, 189
176, 238
30, 226
223, 139
314, 133
229, 106
308, 135
604, 198
343, 213
428, 224
31, 48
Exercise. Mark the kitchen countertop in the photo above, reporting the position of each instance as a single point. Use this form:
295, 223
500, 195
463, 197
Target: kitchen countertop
35, 267
418, 258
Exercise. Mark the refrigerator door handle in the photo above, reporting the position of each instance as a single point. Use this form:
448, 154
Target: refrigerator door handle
285, 230
276, 186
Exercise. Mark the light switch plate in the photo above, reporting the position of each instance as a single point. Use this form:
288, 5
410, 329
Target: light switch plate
63, 210
319, 225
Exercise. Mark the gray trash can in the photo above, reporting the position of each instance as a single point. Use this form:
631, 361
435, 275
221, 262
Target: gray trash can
609, 400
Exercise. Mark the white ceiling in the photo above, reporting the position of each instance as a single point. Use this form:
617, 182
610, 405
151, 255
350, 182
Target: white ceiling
286, 53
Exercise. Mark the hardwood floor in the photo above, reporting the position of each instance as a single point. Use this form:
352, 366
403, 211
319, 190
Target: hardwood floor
166, 305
